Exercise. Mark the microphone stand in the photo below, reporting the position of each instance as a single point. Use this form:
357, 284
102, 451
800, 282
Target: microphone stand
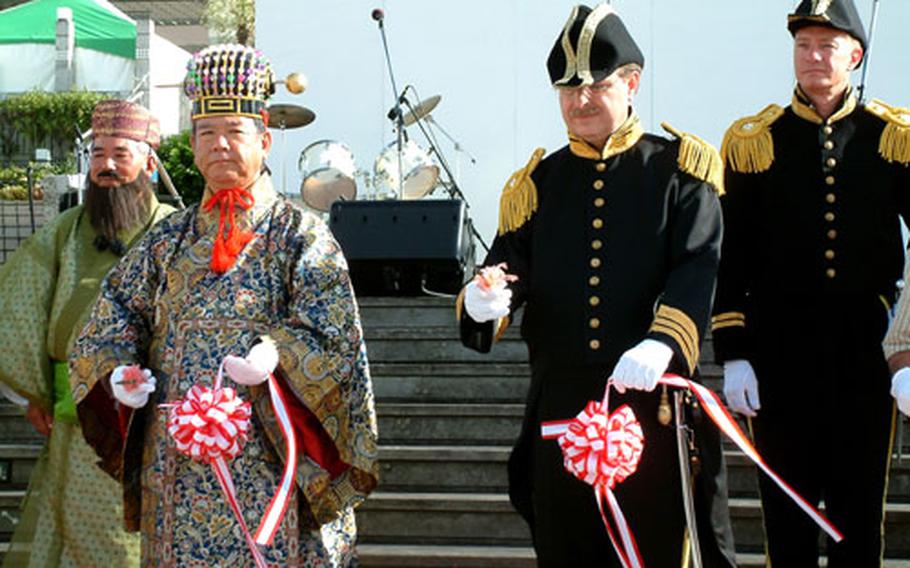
399, 117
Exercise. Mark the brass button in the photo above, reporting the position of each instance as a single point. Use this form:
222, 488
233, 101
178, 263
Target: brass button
827, 130
594, 301
830, 273
830, 198
599, 202
600, 166
832, 234
597, 223
597, 244
829, 180
829, 217
594, 323
831, 162
598, 184
829, 254
594, 281
595, 263
594, 344
829, 145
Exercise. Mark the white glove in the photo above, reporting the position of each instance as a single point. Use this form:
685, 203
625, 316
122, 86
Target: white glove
642, 366
256, 367
900, 389
131, 385
741, 387
486, 305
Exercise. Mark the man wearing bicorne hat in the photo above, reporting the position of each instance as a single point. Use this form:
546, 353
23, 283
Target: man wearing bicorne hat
614, 240
811, 255
244, 273
72, 516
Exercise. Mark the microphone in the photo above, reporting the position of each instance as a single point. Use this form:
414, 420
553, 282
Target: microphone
395, 111
378, 14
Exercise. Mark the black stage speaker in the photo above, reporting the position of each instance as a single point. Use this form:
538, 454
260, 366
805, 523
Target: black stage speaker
401, 248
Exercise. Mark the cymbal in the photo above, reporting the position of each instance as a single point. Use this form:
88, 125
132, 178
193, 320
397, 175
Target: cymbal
420, 110
289, 116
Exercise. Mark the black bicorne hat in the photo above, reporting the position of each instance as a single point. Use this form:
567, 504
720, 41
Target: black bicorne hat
593, 44
838, 14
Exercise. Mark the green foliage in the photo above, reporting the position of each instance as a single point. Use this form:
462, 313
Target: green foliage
177, 156
45, 118
14, 179
233, 21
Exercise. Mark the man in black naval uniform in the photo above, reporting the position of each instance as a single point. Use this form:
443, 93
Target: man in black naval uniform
811, 254
614, 239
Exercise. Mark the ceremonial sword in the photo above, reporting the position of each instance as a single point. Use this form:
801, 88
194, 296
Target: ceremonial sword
686, 478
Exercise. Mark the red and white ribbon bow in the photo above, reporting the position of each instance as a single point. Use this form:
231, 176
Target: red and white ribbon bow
602, 450
211, 426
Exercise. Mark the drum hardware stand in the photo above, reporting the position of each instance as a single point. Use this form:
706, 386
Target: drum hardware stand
459, 149
398, 119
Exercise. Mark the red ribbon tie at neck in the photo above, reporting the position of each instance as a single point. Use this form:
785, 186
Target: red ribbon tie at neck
226, 250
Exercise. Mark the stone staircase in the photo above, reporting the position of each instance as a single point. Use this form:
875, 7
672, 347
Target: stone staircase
447, 419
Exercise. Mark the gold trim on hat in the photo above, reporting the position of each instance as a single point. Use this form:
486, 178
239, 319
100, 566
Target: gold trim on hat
586, 38
819, 7
567, 48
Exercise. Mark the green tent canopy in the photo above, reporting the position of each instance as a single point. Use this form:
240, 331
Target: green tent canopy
97, 23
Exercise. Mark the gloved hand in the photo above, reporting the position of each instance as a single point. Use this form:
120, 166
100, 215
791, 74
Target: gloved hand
486, 305
642, 366
256, 367
741, 387
900, 389
131, 385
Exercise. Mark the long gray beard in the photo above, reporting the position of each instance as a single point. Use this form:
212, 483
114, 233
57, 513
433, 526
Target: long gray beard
112, 210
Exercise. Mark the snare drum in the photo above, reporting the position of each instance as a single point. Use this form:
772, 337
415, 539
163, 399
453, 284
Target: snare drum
420, 173
328, 172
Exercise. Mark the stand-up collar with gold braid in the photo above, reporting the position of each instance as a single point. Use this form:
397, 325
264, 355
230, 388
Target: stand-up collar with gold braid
803, 108
624, 138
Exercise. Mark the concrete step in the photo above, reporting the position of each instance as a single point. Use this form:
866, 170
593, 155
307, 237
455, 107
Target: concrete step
449, 424
462, 382
377, 312
10, 501
14, 428
429, 556
16, 464
455, 469
437, 345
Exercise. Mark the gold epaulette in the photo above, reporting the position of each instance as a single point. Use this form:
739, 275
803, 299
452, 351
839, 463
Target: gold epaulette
748, 147
894, 144
698, 158
519, 196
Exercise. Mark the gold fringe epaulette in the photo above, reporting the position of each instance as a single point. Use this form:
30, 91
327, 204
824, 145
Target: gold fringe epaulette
519, 196
698, 158
748, 147
894, 144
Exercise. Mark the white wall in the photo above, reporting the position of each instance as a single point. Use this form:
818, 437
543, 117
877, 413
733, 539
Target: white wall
708, 62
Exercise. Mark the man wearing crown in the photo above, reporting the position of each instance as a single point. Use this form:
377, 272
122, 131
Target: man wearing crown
613, 243
812, 251
245, 272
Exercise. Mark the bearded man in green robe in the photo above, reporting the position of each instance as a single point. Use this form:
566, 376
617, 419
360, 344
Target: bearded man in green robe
73, 514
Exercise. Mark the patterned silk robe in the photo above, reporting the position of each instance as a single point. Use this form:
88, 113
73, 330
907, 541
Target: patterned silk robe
165, 309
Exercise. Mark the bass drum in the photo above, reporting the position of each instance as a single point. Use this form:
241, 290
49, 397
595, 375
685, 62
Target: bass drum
328, 172
420, 173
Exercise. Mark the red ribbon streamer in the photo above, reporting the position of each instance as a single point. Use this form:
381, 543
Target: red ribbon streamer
226, 250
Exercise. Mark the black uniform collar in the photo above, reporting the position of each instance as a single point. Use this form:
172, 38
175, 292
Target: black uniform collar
803, 108
624, 138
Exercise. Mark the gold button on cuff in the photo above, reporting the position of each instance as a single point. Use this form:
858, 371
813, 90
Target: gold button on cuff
832, 234
595, 263
829, 180
594, 301
828, 145
594, 344
827, 130
594, 323
829, 217
598, 184
830, 198
600, 166
830, 273
829, 254
831, 162
597, 223
599, 202
594, 281
597, 244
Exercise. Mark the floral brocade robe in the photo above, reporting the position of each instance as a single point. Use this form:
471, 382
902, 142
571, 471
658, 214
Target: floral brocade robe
165, 309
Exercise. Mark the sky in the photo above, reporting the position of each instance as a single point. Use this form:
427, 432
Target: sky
707, 63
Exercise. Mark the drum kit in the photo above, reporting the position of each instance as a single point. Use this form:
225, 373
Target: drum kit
329, 172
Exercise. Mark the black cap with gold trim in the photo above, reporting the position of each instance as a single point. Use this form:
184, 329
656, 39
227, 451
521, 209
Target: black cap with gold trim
229, 79
593, 44
838, 14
